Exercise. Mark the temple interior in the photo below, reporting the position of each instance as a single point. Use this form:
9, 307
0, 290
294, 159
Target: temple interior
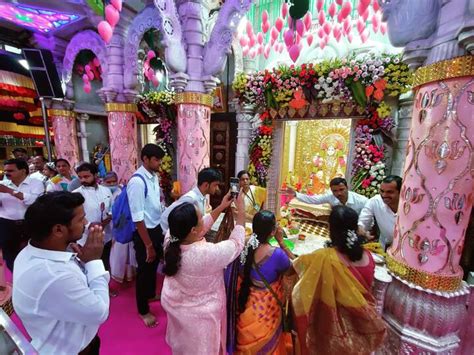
302, 97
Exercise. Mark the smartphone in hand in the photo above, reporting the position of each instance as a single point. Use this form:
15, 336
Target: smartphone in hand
234, 187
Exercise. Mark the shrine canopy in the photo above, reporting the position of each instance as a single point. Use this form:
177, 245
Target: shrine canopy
275, 33
350, 87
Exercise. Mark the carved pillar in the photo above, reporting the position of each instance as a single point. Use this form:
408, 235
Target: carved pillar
194, 119
244, 133
426, 303
273, 178
65, 135
83, 134
293, 125
123, 138
405, 108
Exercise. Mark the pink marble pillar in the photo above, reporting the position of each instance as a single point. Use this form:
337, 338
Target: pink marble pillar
123, 143
193, 142
437, 194
65, 135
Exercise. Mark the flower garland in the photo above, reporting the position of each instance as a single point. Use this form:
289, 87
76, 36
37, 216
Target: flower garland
366, 81
159, 107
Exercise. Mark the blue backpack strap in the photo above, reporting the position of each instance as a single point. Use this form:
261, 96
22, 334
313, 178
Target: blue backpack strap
143, 179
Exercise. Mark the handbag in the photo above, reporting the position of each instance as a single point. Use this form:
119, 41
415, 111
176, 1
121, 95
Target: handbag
286, 314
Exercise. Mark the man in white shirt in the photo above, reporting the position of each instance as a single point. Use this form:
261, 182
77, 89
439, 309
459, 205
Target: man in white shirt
96, 206
148, 238
207, 184
17, 192
61, 297
382, 209
38, 161
339, 195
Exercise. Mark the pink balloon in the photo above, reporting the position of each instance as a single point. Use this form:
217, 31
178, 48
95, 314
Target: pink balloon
339, 2
347, 24
300, 27
345, 10
284, 10
297, 39
327, 28
309, 39
260, 37
253, 53
260, 49
322, 44
332, 9
90, 75
320, 32
281, 48
319, 5
294, 52
87, 68
117, 4
274, 33
321, 18
349, 37
252, 41
87, 89
365, 3
265, 16
245, 51
365, 15
289, 20
105, 31
151, 54
112, 15
288, 37
85, 78
249, 29
375, 5
383, 28
336, 31
266, 51
279, 24
375, 23
151, 73
307, 20
360, 25
96, 62
265, 27
243, 41
155, 81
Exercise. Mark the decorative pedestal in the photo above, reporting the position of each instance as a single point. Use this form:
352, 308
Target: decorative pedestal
194, 119
421, 321
65, 135
123, 139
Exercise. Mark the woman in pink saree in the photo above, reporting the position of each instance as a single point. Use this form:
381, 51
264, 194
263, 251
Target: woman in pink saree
193, 294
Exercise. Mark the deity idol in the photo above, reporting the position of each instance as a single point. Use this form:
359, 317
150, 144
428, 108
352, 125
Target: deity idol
331, 158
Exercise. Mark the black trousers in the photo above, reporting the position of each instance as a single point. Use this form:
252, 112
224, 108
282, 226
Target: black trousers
12, 239
145, 287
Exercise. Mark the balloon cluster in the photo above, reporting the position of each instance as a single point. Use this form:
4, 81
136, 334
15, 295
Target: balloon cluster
336, 22
92, 70
112, 17
148, 71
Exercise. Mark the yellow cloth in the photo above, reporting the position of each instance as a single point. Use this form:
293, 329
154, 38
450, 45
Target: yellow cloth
259, 328
254, 200
334, 312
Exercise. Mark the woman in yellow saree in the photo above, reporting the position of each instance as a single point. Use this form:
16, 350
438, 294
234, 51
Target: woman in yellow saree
255, 196
333, 306
259, 324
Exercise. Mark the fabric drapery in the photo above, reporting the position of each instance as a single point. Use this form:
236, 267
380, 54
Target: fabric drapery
334, 312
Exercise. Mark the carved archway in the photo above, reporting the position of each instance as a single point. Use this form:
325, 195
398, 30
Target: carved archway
84, 40
148, 19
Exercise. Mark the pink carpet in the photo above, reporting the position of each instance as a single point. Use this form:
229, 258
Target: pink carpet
124, 332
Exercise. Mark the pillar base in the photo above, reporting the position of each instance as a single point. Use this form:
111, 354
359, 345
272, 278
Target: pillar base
420, 321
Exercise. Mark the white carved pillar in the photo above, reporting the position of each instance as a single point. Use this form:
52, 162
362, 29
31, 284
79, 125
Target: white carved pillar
403, 132
273, 178
83, 134
244, 133
292, 144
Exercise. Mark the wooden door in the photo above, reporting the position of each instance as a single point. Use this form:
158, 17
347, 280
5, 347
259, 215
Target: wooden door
222, 149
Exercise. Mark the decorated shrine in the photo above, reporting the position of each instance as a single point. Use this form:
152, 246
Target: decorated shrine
295, 93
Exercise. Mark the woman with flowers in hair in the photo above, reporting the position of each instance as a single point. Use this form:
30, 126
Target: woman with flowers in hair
332, 301
259, 327
193, 294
